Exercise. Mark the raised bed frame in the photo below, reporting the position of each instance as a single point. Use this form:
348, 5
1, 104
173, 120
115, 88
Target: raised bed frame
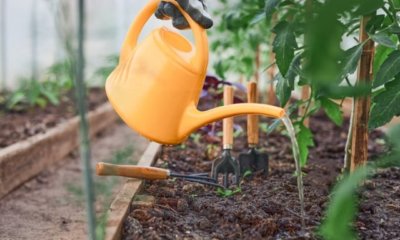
23, 160
119, 208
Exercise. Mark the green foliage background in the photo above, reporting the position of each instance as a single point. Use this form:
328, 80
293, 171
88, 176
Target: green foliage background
308, 45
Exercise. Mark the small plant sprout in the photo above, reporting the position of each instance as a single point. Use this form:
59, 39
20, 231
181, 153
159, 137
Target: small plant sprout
196, 138
248, 173
228, 192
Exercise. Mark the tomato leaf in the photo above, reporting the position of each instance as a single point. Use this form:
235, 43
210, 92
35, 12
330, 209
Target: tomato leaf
350, 59
386, 105
305, 140
283, 89
284, 45
368, 7
270, 8
293, 71
333, 110
381, 53
342, 207
383, 39
375, 23
389, 69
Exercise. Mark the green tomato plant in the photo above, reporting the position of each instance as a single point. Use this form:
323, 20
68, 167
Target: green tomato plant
321, 44
308, 46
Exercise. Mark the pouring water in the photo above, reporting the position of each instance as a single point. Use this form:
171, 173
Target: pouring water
296, 155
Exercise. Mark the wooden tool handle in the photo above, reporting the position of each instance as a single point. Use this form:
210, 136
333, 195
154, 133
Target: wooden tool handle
148, 173
228, 122
252, 120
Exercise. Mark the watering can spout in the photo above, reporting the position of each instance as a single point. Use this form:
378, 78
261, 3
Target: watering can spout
195, 119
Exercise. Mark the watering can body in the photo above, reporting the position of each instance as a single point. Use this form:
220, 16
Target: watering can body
156, 86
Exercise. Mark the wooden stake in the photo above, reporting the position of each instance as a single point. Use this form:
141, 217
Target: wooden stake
361, 106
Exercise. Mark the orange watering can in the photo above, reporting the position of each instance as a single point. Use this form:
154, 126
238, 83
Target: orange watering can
156, 86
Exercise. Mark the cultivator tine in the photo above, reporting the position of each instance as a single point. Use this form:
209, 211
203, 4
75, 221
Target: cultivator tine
198, 178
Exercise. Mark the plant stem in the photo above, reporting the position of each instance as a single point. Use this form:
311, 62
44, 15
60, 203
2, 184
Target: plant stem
258, 62
357, 150
3, 48
304, 118
80, 91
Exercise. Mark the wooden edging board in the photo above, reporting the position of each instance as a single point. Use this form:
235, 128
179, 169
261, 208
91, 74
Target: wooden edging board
120, 205
23, 160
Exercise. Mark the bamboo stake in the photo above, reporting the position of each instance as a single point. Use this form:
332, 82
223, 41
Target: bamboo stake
271, 75
357, 151
80, 91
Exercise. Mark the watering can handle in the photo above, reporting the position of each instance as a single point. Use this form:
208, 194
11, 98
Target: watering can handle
252, 120
200, 35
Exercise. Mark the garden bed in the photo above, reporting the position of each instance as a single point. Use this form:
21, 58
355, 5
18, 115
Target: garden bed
53, 140
266, 207
18, 125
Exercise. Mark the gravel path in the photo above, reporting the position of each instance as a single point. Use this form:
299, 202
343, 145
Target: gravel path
51, 205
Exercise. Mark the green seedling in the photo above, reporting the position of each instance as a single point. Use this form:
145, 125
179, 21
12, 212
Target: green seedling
182, 146
263, 127
196, 138
228, 192
248, 173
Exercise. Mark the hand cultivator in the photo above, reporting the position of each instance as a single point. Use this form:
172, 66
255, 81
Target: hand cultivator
150, 173
253, 160
226, 164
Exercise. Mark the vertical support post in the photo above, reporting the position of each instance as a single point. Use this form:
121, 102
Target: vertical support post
80, 92
3, 47
361, 106
271, 96
34, 41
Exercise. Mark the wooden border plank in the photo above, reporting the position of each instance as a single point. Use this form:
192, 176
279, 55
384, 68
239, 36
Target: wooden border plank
120, 206
23, 160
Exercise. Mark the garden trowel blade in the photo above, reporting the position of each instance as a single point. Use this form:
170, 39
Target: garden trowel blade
262, 163
253, 161
247, 163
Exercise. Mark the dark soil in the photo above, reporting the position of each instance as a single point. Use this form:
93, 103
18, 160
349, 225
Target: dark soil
19, 125
266, 207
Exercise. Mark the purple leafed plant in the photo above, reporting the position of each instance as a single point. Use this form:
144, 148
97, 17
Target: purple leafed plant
211, 96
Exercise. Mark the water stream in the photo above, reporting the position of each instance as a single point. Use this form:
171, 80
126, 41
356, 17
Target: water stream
296, 154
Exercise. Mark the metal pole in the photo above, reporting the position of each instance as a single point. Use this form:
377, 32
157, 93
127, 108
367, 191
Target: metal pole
80, 91
3, 47
34, 36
